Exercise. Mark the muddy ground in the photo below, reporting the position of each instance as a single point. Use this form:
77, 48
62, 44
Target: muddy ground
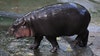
94, 39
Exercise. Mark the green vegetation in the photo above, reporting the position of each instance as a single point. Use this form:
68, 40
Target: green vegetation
5, 21
23, 6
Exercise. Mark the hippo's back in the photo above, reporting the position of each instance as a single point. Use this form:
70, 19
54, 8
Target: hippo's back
58, 8
60, 19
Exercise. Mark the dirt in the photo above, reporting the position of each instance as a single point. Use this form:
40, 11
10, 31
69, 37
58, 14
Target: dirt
94, 39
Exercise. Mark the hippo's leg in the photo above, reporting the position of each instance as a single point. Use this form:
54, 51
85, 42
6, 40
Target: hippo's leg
82, 38
36, 42
54, 43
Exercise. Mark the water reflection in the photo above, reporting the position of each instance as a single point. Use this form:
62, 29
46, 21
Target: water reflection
39, 53
19, 47
81, 52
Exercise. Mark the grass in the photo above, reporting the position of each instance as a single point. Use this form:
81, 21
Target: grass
5, 23
23, 6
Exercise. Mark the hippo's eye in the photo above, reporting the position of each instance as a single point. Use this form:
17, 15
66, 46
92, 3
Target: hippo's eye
12, 29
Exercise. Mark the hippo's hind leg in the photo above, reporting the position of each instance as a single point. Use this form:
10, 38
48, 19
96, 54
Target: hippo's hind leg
82, 38
54, 43
36, 42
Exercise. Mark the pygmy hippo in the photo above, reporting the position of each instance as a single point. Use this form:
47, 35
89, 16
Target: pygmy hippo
62, 19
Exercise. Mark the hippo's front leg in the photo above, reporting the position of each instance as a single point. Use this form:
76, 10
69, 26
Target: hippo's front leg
54, 43
36, 42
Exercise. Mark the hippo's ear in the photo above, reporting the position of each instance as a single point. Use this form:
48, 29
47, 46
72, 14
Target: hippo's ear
23, 23
19, 22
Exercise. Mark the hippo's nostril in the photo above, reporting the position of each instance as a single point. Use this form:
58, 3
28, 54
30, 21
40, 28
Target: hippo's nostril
7, 33
18, 37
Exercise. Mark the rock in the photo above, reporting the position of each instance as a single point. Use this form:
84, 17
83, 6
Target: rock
4, 53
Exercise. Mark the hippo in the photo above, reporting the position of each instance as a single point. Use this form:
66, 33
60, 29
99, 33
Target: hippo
61, 19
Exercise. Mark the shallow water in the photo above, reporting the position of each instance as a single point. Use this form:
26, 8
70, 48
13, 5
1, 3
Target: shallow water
19, 47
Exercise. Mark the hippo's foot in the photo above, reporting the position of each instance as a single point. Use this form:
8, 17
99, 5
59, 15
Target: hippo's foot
75, 43
82, 38
79, 43
54, 49
82, 44
36, 43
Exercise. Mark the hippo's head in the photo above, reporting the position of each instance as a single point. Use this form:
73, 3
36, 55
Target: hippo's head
20, 28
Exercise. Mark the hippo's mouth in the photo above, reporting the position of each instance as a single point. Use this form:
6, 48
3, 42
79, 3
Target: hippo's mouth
18, 37
23, 32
